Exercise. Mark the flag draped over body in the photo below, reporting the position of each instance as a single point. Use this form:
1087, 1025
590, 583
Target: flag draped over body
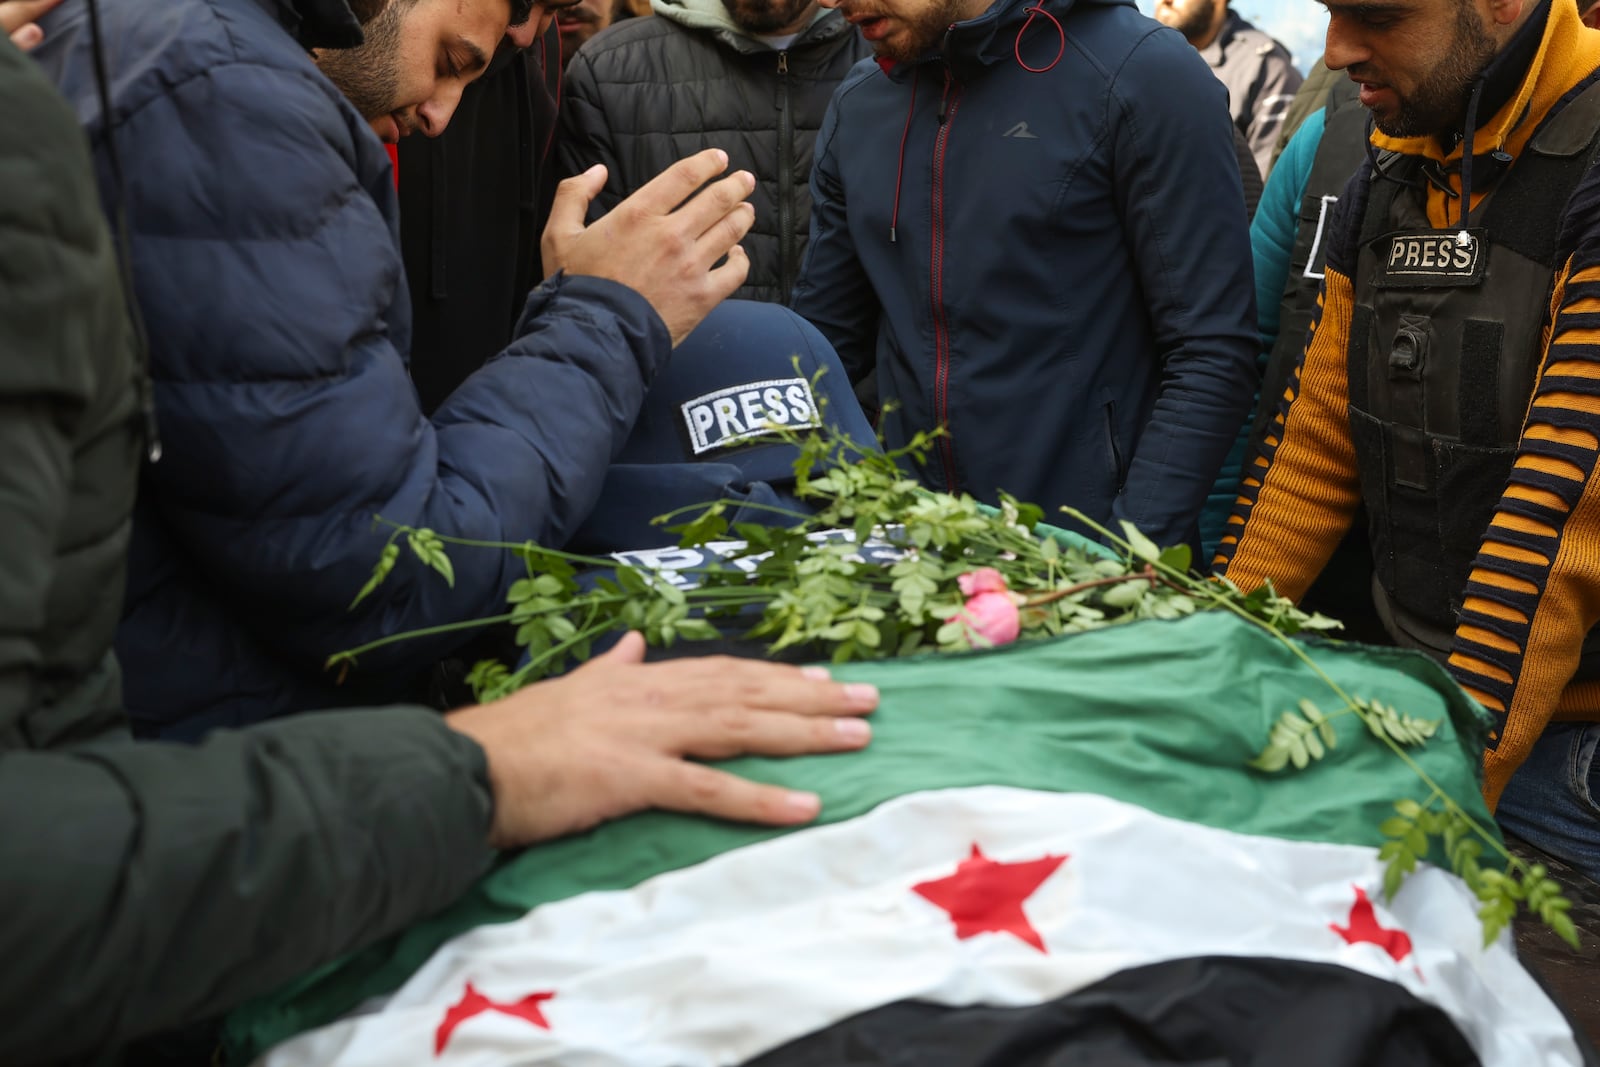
1051, 854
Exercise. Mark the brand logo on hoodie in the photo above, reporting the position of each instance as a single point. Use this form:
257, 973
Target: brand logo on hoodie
739, 413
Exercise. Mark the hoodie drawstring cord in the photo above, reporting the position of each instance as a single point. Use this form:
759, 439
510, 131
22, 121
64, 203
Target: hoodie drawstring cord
1061, 35
1470, 133
900, 165
544, 60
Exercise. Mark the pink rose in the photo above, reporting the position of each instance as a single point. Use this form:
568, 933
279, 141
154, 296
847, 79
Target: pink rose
982, 580
992, 616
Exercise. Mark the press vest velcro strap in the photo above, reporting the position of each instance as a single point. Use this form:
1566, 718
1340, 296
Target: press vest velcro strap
1481, 344
1362, 324
1432, 259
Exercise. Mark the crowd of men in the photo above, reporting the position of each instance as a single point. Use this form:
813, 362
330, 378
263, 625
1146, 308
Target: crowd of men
235, 328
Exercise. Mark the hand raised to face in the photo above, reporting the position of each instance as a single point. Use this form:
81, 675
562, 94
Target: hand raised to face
664, 241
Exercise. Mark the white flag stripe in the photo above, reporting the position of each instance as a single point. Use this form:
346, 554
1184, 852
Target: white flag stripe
719, 962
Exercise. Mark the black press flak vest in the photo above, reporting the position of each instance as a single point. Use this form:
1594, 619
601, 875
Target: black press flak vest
1446, 341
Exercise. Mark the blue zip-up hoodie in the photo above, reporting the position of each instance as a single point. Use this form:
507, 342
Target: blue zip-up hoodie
1053, 263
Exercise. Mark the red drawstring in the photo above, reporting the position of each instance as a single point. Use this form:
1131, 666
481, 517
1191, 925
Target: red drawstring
544, 58
900, 165
1016, 47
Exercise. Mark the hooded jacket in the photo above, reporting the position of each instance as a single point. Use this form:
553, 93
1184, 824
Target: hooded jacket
643, 94
262, 215
1533, 591
147, 885
1052, 263
473, 204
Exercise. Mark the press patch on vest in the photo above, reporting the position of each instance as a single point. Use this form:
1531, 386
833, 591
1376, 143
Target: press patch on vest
1427, 259
740, 413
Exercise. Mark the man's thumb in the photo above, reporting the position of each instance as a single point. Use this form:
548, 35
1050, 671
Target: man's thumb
628, 650
571, 203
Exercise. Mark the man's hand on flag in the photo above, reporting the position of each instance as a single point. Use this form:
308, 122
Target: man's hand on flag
619, 735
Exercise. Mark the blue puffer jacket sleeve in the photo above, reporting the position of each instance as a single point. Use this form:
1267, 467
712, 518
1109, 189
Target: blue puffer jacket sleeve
1272, 234
266, 262
1183, 209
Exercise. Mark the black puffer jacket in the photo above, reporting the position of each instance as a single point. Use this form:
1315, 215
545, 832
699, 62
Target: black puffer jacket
648, 92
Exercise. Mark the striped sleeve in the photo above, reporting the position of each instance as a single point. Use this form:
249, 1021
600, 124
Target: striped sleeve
1301, 491
1534, 590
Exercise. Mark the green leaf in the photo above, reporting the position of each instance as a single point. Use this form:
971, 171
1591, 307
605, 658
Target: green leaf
1395, 827
1403, 864
1140, 545
1325, 728
441, 563
1126, 594
380, 571
1178, 558
698, 630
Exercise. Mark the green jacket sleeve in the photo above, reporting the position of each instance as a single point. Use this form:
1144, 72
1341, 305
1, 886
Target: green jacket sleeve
146, 885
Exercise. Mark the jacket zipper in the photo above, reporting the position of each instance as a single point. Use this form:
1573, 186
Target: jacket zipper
948, 103
786, 255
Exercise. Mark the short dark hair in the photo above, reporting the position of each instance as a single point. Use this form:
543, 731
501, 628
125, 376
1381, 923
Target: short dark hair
367, 10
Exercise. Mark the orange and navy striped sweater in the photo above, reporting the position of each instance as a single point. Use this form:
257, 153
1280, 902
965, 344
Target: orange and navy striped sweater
1534, 589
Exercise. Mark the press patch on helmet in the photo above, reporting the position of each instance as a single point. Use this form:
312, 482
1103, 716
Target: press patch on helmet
733, 416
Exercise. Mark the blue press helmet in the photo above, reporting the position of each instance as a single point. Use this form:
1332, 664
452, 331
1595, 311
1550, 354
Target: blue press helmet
703, 433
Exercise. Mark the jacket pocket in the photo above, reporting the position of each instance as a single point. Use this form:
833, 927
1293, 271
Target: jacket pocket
1119, 465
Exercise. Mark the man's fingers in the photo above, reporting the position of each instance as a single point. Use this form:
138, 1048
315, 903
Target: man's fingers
722, 281
673, 186
726, 681
27, 38
692, 788
725, 233
15, 14
723, 734
715, 204
570, 207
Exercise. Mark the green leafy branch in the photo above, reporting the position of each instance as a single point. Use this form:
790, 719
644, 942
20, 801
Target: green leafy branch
1299, 739
805, 586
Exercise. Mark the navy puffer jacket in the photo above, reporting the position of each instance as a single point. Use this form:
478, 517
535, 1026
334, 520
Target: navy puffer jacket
266, 262
1052, 262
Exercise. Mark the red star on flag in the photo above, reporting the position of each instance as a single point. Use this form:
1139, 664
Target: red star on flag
474, 1003
1364, 927
986, 897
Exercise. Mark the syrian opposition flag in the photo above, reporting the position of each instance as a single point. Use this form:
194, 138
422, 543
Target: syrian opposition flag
1051, 854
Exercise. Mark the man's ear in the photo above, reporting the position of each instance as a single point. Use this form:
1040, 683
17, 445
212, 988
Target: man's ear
1507, 12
